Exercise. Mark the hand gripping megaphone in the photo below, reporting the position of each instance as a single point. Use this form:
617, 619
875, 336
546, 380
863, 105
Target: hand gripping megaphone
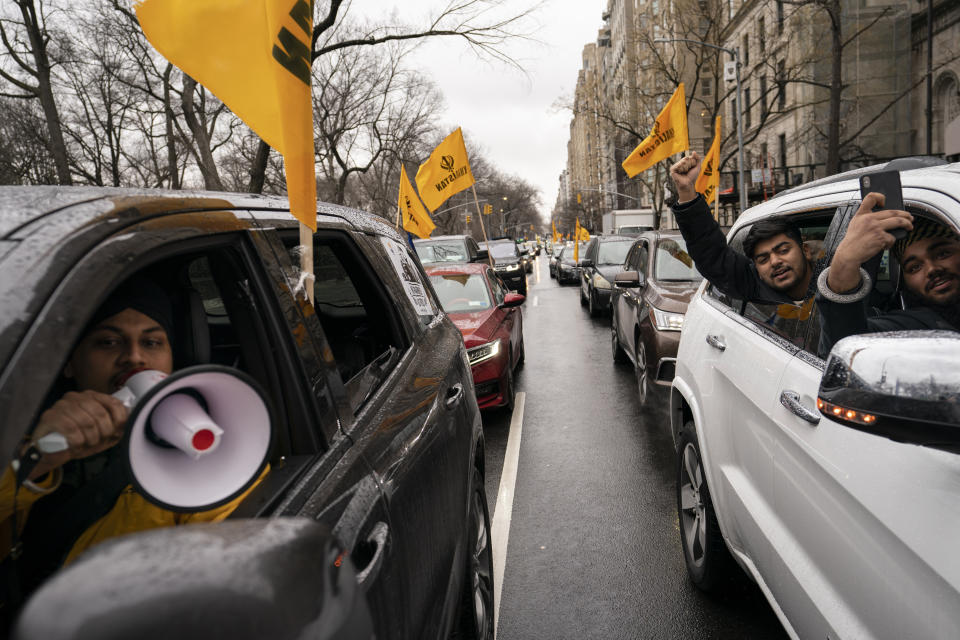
197, 438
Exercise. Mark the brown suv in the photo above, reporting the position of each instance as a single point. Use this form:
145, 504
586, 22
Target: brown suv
649, 300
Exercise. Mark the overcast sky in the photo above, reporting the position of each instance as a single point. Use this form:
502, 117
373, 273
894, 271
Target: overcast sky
509, 114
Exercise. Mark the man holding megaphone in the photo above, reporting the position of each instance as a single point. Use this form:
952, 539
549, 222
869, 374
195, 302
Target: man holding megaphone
74, 498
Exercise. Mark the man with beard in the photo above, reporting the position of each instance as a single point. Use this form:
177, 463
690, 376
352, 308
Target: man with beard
778, 266
929, 258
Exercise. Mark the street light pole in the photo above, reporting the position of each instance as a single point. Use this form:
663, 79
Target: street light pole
735, 54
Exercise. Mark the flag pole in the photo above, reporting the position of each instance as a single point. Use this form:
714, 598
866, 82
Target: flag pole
306, 259
473, 187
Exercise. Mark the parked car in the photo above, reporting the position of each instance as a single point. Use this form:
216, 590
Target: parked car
598, 265
568, 269
650, 298
488, 316
554, 252
508, 263
804, 467
449, 249
349, 496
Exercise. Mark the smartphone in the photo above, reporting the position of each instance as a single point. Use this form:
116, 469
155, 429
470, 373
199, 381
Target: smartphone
887, 183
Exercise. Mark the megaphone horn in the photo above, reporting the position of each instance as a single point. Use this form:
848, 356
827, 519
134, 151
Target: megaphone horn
195, 439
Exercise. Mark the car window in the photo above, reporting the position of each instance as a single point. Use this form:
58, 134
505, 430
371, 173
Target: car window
497, 286
461, 292
613, 252
358, 317
502, 249
672, 263
643, 255
437, 251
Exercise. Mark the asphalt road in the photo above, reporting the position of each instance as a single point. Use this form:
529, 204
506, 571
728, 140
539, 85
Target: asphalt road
594, 545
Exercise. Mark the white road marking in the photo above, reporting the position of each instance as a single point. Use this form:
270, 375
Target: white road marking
500, 529
536, 301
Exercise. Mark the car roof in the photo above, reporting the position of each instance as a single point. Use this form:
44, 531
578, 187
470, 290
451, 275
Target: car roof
459, 267
944, 179
614, 237
434, 238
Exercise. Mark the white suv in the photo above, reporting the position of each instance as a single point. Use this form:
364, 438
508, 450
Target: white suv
850, 529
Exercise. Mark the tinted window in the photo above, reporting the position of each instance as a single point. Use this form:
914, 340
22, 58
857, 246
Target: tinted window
497, 286
613, 252
461, 292
673, 263
503, 250
449, 251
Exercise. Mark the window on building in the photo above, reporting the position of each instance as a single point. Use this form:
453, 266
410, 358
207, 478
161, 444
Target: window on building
779, 17
746, 108
781, 85
763, 155
763, 96
783, 156
746, 49
762, 34
707, 87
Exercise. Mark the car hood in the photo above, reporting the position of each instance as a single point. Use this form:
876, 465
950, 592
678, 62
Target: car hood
609, 271
670, 296
477, 327
505, 261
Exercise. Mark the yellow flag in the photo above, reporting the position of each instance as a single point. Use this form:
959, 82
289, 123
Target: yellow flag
709, 180
669, 136
416, 220
255, 56
446, 171
555, 234
576, 241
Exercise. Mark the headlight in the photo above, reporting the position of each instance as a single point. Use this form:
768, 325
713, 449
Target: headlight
483, 352
600, 282
513, 267
666, 321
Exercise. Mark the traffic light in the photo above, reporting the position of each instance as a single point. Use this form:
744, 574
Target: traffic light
487, 209
468, 219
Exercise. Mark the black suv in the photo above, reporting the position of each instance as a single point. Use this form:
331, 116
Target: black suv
372, 514
449, 249
508, 263
599, 265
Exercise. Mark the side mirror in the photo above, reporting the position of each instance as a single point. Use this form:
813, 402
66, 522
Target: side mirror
482, 255
513, 300
586, 262
903, 386
629, 280
197, 581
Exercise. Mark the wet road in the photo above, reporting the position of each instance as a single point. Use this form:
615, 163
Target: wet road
594, 548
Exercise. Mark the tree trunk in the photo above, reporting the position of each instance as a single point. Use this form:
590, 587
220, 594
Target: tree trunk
205, 161
168, 124
58, 148
258, 170
836, 88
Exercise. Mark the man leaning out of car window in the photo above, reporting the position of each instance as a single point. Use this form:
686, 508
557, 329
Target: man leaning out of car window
778, 266
75, 499
929, 258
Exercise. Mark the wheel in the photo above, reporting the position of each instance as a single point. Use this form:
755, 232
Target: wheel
708, 560
511, 391
583, 298
552, 274
475, 620
523, 355
592, 305
640, 371
523, 288
619, 355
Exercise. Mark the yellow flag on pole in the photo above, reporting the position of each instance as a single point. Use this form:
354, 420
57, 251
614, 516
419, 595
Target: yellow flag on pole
255, 56
416, 220
576, 241
555, 234
446, 171
669, 136
708, 183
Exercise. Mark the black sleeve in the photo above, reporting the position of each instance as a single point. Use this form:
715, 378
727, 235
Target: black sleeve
731, 272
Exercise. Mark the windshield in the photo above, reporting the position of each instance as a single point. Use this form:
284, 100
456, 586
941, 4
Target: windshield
613, 252
451, 251
502, 250
674, 263
461, 292
567, 253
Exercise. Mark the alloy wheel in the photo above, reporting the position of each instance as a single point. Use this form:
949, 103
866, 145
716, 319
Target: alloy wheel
643, 384
693, 521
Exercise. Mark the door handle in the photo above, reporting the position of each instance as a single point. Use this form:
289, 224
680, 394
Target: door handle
378, 540
716, 342
791, 400
454, 396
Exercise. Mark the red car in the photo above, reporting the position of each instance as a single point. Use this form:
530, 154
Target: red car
487, 314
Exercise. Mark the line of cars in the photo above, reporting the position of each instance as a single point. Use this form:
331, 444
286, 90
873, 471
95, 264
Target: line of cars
829, 476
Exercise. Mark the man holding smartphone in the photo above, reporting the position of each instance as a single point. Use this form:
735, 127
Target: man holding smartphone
929, 257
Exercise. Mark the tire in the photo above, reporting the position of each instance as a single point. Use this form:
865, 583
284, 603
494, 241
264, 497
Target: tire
523, 288
619, 355
708, 560
592, 305
640, 372
583, 298
475, 618
511, 392
523, 355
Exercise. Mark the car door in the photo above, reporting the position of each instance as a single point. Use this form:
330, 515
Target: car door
870, 521
632, 305
409, 412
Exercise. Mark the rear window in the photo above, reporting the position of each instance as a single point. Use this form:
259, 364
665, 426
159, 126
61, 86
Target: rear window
672, 262
613, 252
461, 292
452, 251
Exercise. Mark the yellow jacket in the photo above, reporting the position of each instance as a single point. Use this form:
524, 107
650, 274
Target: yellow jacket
131, 513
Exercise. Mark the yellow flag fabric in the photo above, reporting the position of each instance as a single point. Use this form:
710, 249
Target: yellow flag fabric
669, 136
446, 171
555, 234
416, 220
708, 183
255, 56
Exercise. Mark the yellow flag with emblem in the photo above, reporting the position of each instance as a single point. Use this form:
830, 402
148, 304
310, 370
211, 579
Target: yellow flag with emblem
416, 220
446, 171
255, 55
669, 136
708, 183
